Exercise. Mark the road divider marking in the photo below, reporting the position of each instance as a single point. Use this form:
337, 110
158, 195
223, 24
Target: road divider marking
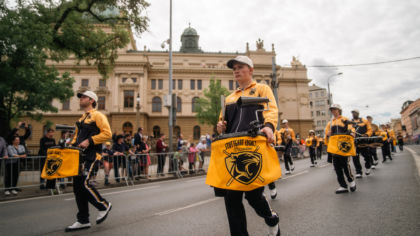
294, 175
122, 191
416, 158
186, 207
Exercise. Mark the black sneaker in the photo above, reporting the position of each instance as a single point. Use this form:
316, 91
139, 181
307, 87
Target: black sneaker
77, 226
341, 190
353, 186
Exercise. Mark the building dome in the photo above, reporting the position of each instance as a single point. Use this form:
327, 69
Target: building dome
189, 40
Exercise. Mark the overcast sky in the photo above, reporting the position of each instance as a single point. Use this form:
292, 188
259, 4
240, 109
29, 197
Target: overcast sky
328, 32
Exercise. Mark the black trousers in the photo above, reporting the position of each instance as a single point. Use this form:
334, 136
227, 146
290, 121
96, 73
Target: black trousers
373, 153
287, 158
236, 212
342, 167
386, 151
401, 146
11, 175
319, 152
272, 185
364, 151
312, 154
161, 163
85, 193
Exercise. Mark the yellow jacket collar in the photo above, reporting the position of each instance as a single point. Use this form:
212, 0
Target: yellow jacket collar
252, 84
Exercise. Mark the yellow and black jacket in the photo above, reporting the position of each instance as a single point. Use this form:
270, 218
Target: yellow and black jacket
93, 126
362, 127
384, 134
238, 119
281, 136
312, 142
339, 125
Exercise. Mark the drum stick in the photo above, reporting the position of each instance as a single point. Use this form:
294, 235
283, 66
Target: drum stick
222, 105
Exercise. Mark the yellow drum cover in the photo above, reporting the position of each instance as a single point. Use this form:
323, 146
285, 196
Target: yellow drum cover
342, 145
60, 163
242, 163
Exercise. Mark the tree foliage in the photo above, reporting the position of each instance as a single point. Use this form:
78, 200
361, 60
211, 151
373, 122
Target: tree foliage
35, 33
209, 106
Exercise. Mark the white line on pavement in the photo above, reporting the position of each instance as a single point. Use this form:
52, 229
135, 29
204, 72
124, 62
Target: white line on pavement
416, 158
122, 191
294, 175
186, 207
324, 165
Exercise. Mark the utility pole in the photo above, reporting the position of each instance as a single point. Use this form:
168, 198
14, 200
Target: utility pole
274, 87
170, 79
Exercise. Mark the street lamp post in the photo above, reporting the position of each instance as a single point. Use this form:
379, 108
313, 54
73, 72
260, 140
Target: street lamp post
170, 79
329, 92
138, 111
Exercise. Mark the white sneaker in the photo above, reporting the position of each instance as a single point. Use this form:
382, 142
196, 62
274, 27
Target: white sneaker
7, 193
353, 186
103, 214
77, 226
312, 165
14, 192
292, 167
274, 230
341, 190
358, 176
273, 193
373, 167
287, 172
367, 171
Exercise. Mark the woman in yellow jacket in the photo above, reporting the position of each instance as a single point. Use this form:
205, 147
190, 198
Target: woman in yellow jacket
312, 144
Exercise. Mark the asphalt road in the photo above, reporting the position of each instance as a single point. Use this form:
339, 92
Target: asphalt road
385, 203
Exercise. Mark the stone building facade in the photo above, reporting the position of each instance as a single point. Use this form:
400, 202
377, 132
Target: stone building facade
320, 113
143, 75
410, 119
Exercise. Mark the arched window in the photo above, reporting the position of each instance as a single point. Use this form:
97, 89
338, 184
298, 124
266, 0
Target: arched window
156, 104
194, 104
156, 131
197, 132
177, 131
178, 104
127, 128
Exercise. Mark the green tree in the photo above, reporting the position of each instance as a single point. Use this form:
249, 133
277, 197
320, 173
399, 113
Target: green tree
35, 33
209, 107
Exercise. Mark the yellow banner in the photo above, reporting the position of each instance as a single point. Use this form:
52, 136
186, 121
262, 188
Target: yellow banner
60, 163
242, 163
342, 145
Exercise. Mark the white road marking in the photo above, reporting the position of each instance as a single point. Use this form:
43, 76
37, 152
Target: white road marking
122, 191
324, 165
195, 180
186, 207
294, 175
34, 198
416, 158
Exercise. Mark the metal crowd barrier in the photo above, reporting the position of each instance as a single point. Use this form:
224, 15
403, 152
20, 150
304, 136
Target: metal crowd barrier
24, 173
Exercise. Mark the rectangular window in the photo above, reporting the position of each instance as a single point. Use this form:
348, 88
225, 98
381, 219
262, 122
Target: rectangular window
324, 122
192, 84
134, 79
128, 98
318, 113
199, 84
160, 84
85, 82
312, 113
174, 84
323, 113
124, 79
230, 84
267, 82
180, 84
66, 105
102, 83
101, 103
153, 84
258, 81
318, 123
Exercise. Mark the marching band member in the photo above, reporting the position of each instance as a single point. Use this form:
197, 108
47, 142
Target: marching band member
319, 148
400, 139
92, 130
286, 136
243, 69
372, 150
312, 144
393, 142
363, 129
337, 126
386, 138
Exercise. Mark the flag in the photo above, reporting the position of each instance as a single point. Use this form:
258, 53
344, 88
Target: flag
60, 163
242, 163
342, 145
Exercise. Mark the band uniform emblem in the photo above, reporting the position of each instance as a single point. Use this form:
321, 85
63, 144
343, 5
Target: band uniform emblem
344, 144
244, 166
54, 162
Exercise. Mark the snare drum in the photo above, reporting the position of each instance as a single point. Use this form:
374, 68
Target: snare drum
62, 162
376, 141
242, 162
362, 142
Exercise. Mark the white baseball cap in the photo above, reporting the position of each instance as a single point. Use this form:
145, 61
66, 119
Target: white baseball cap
88, 93
335, 106
355, 110
311, 131
241, 59
284, 121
